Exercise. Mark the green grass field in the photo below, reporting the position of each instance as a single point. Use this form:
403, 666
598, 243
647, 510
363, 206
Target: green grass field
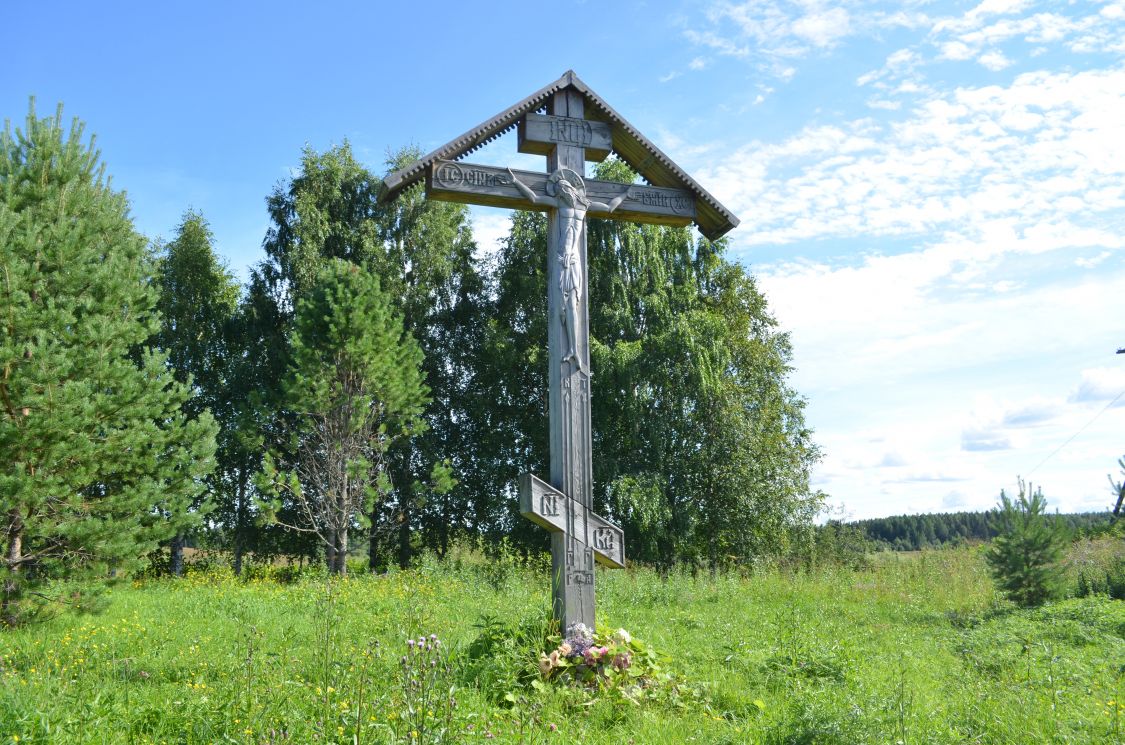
916, 649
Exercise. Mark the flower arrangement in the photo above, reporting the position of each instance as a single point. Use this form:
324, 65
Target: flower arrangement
599, 660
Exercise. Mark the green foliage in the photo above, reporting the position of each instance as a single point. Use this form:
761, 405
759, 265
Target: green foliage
939, 529
100, 461
841, 544
1108, 581
214, 658
355, 386
197, 302
427, 696
702, 453
1025, 557
422, 253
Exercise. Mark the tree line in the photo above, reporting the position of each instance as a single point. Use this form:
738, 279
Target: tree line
376, 385
935, 530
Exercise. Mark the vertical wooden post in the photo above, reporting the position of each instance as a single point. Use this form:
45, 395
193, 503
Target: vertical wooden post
572, 559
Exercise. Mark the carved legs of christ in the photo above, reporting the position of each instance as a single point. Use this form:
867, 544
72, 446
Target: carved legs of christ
570, 322
571, 285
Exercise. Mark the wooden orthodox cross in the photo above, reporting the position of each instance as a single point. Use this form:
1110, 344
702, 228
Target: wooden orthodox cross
569, 137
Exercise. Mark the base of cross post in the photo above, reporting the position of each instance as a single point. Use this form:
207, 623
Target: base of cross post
572, 582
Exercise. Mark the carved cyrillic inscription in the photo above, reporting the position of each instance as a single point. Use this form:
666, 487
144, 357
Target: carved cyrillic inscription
678, 202
580, 578
538, 134
549, 504
452, 175
572, 131
470, 183
605, 539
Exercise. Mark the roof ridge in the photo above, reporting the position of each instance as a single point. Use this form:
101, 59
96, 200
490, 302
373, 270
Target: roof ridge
714, 220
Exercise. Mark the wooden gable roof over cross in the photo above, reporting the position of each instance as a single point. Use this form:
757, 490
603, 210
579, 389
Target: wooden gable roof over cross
712, 218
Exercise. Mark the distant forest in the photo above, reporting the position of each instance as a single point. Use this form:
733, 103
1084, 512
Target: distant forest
915, 532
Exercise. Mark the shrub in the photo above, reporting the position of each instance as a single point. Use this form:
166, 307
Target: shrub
1025, 558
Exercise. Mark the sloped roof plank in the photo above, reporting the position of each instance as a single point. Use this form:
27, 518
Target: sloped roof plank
713, 219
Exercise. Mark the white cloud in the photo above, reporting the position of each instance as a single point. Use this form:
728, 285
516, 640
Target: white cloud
956, 50
943, 318
1043, 152
823, 28
1100, 384
772, 31
1092, 261
490, 228
994, 61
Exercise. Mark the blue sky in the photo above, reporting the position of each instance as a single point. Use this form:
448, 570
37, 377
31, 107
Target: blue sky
932, 194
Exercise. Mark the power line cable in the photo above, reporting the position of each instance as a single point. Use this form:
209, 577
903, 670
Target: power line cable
1080, 431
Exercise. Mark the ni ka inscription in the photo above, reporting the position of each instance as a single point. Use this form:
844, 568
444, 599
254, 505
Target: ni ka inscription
605, 539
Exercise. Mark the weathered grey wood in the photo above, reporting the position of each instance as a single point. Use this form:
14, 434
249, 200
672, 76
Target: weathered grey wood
549, 508
538, 135
572, 558
470, 183
714, 220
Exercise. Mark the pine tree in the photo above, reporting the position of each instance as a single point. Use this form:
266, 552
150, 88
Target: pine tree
1025, 557
355, 386
100, 464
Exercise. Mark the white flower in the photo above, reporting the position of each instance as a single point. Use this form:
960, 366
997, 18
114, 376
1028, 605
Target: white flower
621, 636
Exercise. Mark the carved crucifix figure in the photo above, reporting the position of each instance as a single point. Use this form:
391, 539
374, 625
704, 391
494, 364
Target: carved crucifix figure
568, 139
566, 193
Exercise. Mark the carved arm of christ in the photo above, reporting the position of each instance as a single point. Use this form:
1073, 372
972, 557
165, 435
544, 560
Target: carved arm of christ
469, 183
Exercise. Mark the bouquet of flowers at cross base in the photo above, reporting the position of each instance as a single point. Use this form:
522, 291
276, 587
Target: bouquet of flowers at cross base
599, 659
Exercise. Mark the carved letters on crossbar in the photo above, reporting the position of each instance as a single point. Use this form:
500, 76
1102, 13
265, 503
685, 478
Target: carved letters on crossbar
538, 134
469, 183
549, 508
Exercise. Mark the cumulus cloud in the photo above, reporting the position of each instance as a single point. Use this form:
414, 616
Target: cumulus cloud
1099, 384
984, 440
930, 256
1092, 261
1032, 413
772, 31
490, 228
1044, 152
994, 61
954, 501
930, 477
892, 459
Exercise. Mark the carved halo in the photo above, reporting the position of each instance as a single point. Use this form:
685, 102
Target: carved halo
564, 173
